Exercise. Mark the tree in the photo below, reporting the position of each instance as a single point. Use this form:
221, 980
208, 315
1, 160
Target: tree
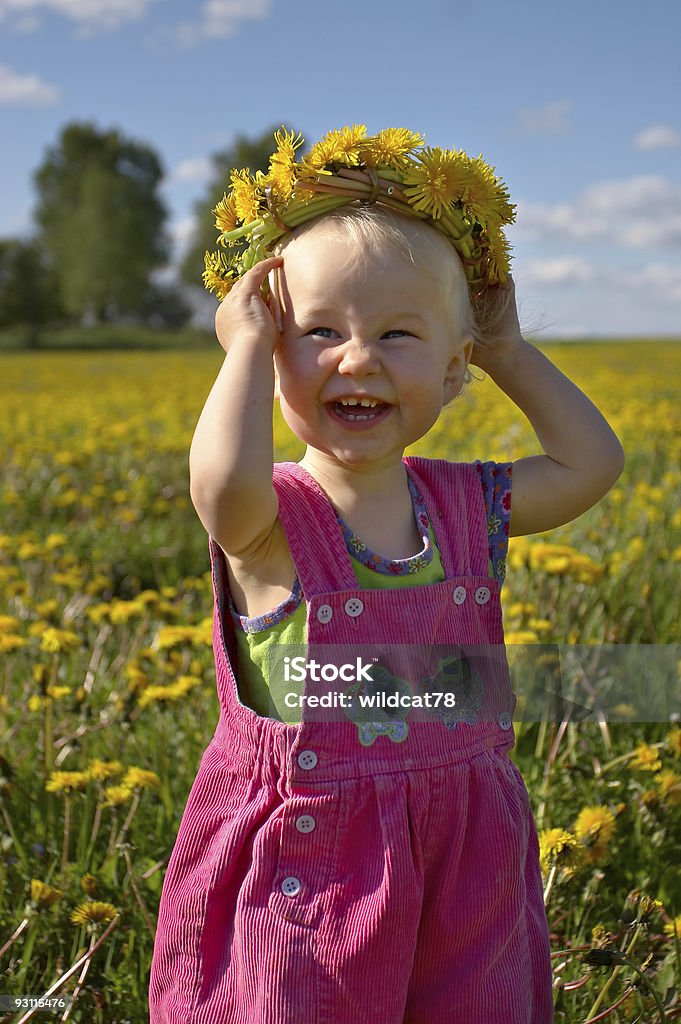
102, 220
28, 289
253, 153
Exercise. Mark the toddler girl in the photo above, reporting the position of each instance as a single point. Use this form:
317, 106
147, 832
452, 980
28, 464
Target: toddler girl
340, 861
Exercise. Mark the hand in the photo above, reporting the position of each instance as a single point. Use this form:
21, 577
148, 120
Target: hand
496, 317
243, 310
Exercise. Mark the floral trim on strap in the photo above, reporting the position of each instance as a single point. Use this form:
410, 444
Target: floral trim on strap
394, 566
278, 614
495, 478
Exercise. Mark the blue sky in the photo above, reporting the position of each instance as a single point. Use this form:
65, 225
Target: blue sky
577, 106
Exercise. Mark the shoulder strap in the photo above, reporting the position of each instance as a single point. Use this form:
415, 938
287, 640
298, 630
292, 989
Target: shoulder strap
314, 536
456, 505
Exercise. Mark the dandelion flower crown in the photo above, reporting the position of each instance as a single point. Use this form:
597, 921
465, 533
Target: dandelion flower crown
457, 194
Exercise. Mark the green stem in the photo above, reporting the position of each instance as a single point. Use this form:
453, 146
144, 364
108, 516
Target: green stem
130, 816
65, 842
549, 884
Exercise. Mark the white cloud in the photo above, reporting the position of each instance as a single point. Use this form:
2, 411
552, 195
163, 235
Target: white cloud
658, 136
551, 119
562, 271
27, 25
639, 212
657, 279
181, 233
92, 14
25, 90
198, 169
221, 18
662, 279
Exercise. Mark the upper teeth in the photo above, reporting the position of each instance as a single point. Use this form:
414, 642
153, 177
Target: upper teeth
358, 401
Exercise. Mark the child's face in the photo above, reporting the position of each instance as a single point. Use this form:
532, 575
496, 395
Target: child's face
366, 326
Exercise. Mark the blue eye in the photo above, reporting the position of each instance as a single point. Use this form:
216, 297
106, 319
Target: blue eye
398, 333
322, 332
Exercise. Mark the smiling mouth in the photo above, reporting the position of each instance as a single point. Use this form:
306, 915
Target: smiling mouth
357, 413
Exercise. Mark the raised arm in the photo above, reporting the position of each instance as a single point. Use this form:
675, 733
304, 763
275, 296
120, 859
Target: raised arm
231, 454
582, 455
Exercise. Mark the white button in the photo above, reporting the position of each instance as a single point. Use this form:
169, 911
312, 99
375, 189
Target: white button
505, 720
291, 886
354, 607
459, 595
324, 612
482, 595
307, 759
305, 823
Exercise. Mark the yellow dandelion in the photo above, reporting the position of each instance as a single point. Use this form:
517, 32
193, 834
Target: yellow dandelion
137, 679
600, 936
246, 195
139, 777
104, 769
37, 703
56, 640
673, 741
557, 846
7, 623
117, 795
122, 611
67, 782
339, 146
391, 148
88, 884
218, 278
498, 258
56, 540
624, 710
649, 906
11, 642
486, 197
541, 625
281, 174
673, 927
152, 695
558, 565
92, 912
44, 895
518, 609
595, 827
646, 759
437, 180
57, 692
174, 636
668, 783
522, 636
225, 213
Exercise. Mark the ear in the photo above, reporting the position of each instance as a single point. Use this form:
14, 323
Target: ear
456, 368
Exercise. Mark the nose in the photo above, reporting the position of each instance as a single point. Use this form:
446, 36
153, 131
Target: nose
358, 358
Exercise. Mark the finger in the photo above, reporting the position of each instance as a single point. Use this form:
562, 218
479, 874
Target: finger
254, 278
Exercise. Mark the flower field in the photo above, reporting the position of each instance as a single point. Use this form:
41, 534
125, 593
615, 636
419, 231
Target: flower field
107, 691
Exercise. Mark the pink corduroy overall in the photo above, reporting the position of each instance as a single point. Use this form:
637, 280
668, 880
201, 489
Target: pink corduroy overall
318, 879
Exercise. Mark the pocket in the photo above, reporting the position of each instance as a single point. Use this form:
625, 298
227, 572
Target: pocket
515, 795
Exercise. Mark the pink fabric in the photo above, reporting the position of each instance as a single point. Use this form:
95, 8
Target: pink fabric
419, 895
